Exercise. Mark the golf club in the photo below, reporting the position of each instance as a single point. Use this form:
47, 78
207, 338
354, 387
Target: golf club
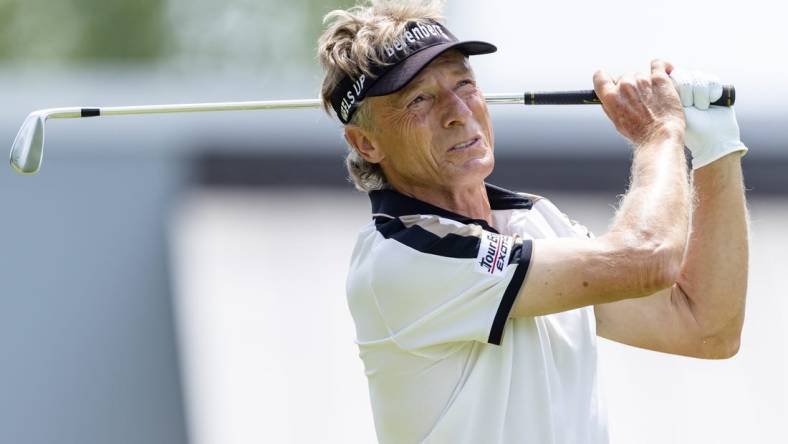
28, 148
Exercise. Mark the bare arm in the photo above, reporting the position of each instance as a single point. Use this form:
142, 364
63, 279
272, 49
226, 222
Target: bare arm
642, 252
702, 314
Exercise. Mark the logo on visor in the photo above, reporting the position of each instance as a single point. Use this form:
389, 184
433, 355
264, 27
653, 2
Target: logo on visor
414, 35
350, 98
493, 253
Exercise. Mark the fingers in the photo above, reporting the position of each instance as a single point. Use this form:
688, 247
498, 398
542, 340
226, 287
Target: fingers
715, 88
700, 91
603, 84
642, 80
659, 66
683, 81
696, 88
638, 103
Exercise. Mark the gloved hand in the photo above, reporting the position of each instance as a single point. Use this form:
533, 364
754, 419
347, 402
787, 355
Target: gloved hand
712, 131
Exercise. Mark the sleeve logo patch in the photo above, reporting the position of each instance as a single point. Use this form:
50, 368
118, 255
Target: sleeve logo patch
493, 253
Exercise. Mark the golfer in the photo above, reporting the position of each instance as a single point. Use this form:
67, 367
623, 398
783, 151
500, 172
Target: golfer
477, 308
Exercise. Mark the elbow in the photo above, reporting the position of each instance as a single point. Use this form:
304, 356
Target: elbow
731, 349
728, 340
724, 342
720, 335
720, 347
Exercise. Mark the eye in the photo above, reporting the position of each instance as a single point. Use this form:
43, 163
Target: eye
465, 82
420, 98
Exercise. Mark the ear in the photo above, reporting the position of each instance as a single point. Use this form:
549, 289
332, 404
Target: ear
358, 139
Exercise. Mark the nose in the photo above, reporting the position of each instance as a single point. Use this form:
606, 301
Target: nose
455, 111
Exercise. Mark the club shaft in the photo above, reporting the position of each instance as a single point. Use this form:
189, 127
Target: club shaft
78, 112
583, 97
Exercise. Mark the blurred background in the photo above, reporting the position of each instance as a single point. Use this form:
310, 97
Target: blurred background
180, 279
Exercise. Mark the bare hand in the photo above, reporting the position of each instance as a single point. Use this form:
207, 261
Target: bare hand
640, 105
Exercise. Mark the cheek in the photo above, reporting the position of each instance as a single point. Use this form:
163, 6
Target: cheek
412, 133
400, 124
409, 141
486, 123
490, 133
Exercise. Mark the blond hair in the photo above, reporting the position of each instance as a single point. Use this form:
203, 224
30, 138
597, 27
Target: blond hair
350, 46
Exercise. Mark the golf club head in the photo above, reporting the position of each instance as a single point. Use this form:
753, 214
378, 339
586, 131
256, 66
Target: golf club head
28, 146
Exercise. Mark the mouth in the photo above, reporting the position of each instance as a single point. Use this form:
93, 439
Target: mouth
470, 143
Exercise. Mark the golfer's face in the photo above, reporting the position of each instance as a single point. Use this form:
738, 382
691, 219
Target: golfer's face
436, 131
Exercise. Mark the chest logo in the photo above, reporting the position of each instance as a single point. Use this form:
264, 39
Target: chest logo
493, 253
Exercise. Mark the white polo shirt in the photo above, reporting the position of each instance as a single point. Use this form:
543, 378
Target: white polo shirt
430, 292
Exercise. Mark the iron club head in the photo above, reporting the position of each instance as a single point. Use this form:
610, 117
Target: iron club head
28, 146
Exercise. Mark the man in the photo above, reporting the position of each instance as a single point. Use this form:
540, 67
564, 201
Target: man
477, 308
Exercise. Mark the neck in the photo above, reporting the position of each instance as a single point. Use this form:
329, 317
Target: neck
468, 201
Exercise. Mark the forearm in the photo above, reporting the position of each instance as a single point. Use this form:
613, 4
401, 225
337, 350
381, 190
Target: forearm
714, 273
655, 211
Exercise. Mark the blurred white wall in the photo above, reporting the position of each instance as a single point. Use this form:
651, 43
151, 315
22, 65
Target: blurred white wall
266, 337
559, 44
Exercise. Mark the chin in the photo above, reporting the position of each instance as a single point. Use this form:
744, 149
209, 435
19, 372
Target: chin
478, 169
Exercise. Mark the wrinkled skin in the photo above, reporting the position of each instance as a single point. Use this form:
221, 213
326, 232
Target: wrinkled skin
640, 105
417, 132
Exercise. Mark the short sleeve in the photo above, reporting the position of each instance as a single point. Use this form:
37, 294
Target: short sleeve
438, 281
563, 225
581, 230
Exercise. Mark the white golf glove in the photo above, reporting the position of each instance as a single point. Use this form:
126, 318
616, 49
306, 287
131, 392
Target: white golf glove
712, 131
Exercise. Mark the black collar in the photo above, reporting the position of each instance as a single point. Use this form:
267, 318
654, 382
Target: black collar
395, 204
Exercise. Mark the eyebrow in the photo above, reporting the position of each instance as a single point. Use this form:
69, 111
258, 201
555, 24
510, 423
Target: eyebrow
458, 68
413, 84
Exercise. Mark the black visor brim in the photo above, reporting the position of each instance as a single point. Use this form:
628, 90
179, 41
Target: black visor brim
398, 76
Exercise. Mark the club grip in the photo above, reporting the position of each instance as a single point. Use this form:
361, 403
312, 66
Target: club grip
588, 97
